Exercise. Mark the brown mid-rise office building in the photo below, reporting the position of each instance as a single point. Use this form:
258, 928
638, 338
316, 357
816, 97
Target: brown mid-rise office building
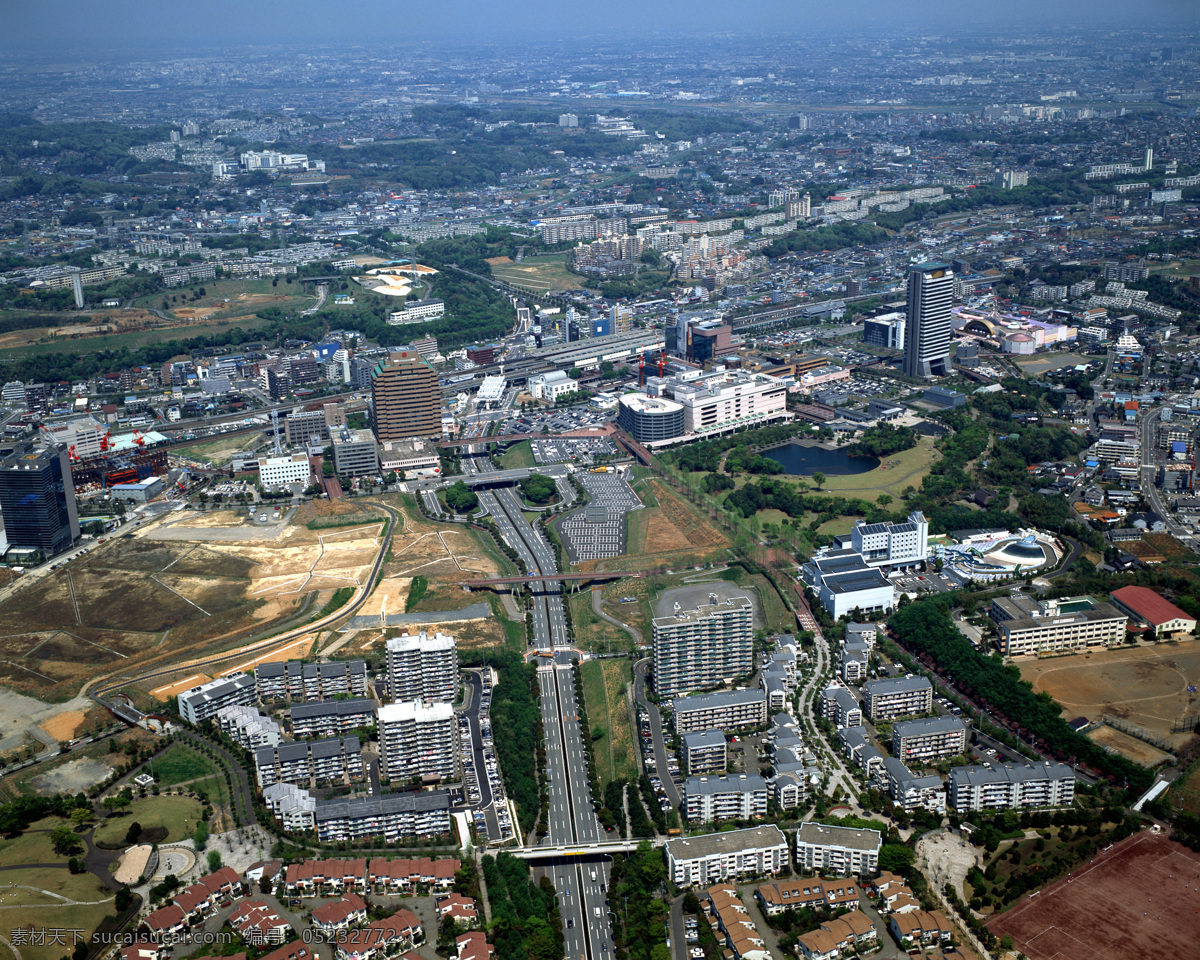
407, 399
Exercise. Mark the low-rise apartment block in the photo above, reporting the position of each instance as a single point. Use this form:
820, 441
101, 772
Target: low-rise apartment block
704, 752
331, 718
912, 792
247, 727
897, 697
839, 705
296, 680
393, 816
713, 857
815, 893
310, 762
1012, 786
739, 797
726, 710
201, 703
929, 739
836, 849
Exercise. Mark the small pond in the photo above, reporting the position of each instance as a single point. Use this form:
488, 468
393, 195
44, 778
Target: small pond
802, 460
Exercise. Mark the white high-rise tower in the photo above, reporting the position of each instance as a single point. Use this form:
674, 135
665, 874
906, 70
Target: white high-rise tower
927, 330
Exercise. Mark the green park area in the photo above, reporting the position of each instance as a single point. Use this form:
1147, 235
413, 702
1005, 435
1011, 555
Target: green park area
32, 898
170, 818
229, 299
548, 273
180, 764
605, 685
592, 632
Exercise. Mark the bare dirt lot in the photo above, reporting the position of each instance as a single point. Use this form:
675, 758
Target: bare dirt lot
946, 858
1145, 685
71, 777
147, 598
1138, 900
1131, 747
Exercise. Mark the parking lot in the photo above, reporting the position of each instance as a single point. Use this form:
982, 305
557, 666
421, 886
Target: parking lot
931, 582
580, 450
599, 530
564, 420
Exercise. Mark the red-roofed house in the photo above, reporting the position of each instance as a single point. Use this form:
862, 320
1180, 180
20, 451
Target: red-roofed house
166, 924
258, 923
402, 930
1144, 604
349, 911
193, 901
461, 908
474, 946
224, 884
291, 951
143, 950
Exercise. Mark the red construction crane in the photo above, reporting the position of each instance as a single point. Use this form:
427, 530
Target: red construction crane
642, 371
662, 362
139, 439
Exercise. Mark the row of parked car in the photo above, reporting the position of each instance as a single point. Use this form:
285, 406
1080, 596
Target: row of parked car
651, 763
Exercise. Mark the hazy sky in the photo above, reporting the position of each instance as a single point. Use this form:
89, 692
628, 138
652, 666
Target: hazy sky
71, 24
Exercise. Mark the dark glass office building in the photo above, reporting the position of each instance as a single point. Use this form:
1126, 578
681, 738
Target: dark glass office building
37, 498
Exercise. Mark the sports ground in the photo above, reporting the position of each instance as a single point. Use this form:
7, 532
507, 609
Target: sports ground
1138, 899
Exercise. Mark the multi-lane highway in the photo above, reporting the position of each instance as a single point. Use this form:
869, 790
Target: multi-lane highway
582, 887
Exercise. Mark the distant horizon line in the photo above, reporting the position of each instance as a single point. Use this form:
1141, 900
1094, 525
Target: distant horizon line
43, 44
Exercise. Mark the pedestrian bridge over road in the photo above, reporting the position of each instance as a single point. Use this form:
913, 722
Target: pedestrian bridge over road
594, 575
581, 851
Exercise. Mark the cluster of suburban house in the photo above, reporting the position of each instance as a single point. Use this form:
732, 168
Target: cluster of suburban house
341, 917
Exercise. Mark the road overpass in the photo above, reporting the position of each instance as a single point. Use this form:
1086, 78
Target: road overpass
597, 575
581, 851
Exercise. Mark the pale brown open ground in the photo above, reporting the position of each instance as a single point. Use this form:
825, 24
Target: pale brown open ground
1136, 750
1145, 685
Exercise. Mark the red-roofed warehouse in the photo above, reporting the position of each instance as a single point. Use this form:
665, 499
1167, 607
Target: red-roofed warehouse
1144, 604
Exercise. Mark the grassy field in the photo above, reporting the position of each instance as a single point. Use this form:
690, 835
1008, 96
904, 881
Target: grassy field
637, 527
39, 911
1185, 792
221, 450
604, 686
179, 764
592, 632
229, 299
32, 846
131, 340
515, 457
540, 273
177, 815
835, 527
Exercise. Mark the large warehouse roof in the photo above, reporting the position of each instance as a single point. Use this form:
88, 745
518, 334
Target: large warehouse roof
1148, 605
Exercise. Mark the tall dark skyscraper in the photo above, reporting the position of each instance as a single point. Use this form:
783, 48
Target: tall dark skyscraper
37, 497
407, 398
927, 331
